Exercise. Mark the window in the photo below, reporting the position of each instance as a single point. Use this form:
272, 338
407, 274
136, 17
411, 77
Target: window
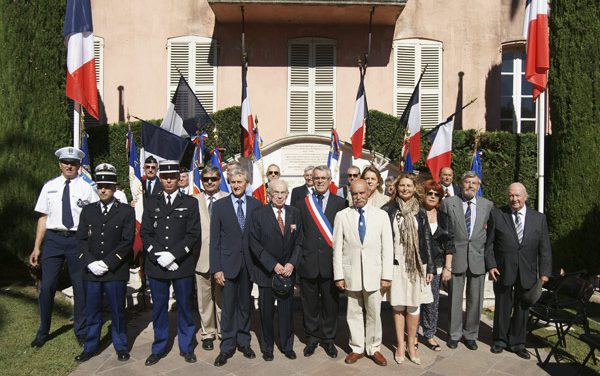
196, 58
311, 86
410, 58
88, 120
517, 110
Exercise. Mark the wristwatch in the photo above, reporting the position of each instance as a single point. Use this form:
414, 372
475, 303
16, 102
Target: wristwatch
448, 269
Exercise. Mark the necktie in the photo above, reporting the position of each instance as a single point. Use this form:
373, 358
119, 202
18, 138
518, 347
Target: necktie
149, 187
104, 209
240, 214
211, 199
468, 219
362, 226
320, 201
446, 192
169, 200
280, 222
67, 215
518, 227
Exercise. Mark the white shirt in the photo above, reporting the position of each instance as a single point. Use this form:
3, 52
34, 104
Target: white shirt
357, 214
473, 212
108, 206
210, 199
325, 198
449, 188
521, 216
173, 195
50, 201
276, 211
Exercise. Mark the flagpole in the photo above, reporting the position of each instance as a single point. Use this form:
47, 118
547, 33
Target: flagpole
76, 124
541, 130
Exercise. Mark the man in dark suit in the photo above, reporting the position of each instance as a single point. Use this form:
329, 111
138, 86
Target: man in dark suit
300, 192
447, 181
320, 298
276, 244
105, 235
170, 230
517, 254
151, 185
231, 264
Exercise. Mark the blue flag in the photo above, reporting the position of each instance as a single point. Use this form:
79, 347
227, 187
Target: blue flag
215, 160
86, 172
476, 167
408, 166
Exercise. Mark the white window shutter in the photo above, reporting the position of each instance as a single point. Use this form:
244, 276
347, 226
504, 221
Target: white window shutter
411, 57
324, 89
299, 82
99, 60
205, 75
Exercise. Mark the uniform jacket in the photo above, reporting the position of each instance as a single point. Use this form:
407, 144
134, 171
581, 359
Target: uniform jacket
228, 244
203, 245
108, 238
269, 246
317, 255
424, 233
529, 259
174, 229
469, 251
362, 266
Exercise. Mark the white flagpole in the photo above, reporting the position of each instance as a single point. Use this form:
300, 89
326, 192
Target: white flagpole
76, 124
541, 133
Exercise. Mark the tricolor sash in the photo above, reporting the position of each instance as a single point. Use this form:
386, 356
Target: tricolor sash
320, 219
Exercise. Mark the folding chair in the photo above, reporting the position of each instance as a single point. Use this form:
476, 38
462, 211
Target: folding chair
593, 341
571, 293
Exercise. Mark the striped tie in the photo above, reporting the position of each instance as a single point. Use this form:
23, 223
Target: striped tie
468, 219
518, 227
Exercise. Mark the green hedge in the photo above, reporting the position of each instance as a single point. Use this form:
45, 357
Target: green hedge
573, 199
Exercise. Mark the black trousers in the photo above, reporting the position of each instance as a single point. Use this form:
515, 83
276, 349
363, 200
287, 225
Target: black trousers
510, 331
235, 312
320, 303
266, 302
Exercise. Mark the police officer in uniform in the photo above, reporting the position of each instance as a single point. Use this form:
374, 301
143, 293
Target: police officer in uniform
170, 229
105, 236
59, 204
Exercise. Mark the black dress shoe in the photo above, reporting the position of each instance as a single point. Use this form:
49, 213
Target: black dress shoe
189, 357
207, 344
495, 349
37, 343
471, 344
247, 351
452, 343
290, 354
123, 356
310, 349
153, 359
330, 349
84, 357
523, 353
268, 356
222, 359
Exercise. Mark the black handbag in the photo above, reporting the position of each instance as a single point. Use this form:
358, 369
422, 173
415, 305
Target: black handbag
282, 286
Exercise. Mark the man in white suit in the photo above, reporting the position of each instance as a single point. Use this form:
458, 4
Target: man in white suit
209, 293
363, 258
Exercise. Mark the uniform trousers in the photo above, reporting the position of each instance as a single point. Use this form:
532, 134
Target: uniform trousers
235, 313
115, 294
475, 285
510, 331
186, 328
365, 332
285, 310
58, 248
209, 305
320, 302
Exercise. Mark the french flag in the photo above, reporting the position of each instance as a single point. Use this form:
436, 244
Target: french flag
359, 120
440, 154
535, 30
215, 160
258, 185
246, 120
81, 65
414, 124
197, 161
333, 161
135, 185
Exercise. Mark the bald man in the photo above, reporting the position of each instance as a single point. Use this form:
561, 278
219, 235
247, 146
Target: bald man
517, 254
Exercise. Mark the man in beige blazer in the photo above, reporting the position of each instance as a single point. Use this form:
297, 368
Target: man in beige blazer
363, 258
209, 293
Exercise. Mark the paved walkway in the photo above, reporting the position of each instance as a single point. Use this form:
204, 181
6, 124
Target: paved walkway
460, 362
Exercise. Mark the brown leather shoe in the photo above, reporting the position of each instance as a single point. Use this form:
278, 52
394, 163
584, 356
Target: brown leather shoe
379, 359
353, 357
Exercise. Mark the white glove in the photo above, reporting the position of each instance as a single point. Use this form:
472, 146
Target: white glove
98, 268
165, 258
173, 266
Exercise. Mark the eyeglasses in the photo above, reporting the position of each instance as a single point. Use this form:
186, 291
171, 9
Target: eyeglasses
321, 178
353, 175
273, 172
431, 194
210, 179
150, 167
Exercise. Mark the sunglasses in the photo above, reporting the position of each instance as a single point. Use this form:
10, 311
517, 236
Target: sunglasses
431, 194
210, 179
150, 167
353, 175
273, 172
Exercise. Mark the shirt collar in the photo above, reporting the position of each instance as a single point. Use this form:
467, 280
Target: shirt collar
522, 211
364, 208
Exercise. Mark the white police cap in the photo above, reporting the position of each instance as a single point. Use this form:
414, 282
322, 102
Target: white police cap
69, 153
168, 167
106, 174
